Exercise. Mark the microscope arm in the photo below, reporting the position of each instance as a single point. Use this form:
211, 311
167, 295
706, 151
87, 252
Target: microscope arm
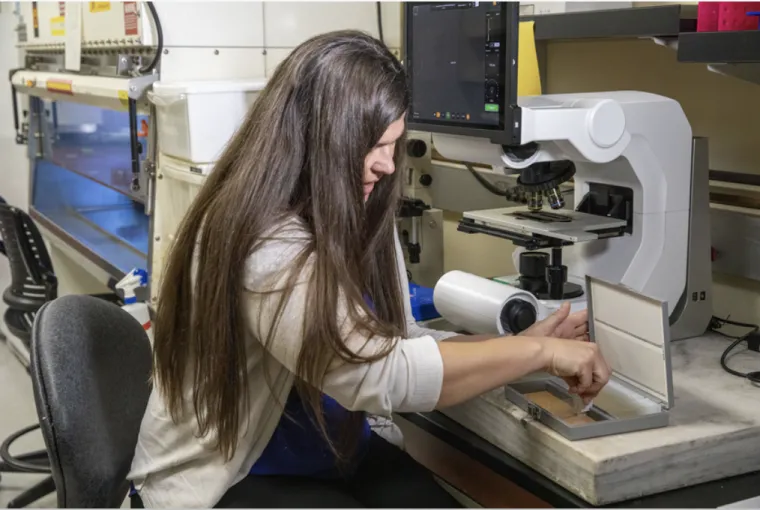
590, 130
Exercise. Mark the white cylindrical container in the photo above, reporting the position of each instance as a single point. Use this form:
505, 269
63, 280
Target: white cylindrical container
482, 306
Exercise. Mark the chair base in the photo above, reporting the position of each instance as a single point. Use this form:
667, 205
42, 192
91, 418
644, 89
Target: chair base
34, 493
37, 457
20, 351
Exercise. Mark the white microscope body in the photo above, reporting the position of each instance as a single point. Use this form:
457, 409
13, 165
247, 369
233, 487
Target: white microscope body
655, 240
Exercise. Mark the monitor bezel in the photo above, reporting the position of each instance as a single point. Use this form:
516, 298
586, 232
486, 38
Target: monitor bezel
508, 130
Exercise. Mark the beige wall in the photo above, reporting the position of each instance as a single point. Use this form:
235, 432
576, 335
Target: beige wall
719, 107
723, 109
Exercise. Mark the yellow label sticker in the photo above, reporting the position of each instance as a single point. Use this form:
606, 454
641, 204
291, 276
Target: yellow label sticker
124, 97
61, 86
58, 26
100, 6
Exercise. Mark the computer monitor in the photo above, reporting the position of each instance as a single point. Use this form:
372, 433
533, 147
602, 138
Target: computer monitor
461, 60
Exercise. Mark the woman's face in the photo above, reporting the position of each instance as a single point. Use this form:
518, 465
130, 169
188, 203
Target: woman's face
379, 161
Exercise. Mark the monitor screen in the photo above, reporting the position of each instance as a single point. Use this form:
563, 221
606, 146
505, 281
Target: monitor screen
456, 58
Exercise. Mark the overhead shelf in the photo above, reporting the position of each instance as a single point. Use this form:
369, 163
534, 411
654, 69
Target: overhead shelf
637, 22
720, 47
735, 54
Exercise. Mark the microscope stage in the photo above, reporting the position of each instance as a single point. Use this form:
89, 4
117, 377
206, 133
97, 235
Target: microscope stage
567, 225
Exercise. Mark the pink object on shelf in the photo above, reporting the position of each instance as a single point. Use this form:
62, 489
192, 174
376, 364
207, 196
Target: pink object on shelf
732, 16
707, 16
726, 16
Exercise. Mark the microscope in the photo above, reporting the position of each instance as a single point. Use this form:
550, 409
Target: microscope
640, 180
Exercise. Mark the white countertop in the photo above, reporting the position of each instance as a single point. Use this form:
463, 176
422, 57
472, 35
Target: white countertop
714, 432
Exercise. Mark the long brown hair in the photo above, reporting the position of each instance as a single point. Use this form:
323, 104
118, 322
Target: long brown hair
300, 152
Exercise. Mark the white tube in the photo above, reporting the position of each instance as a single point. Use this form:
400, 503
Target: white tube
475, 304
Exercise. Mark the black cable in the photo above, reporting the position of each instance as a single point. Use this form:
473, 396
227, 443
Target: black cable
160, 45
380, 21
484, 182
717, 323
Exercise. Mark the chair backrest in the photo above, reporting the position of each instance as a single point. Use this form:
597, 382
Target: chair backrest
91, 365
33, 281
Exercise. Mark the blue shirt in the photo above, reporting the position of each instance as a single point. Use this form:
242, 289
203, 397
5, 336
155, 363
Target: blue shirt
298, 447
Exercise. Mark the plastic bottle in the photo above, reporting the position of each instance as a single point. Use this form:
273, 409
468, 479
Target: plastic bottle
139, 310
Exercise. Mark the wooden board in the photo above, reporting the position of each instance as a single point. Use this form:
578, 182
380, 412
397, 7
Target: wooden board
714, 433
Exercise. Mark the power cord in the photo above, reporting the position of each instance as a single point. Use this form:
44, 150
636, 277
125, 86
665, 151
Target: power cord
160, 40
716, 323
487, 185
379, 6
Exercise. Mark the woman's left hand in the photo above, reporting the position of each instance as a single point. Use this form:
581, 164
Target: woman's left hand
561, 324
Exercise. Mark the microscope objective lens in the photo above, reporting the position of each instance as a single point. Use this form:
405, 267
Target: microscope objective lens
535, 201
554, 197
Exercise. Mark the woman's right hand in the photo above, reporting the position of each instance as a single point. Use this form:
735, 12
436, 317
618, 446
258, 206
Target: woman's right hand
579, 363
473, 368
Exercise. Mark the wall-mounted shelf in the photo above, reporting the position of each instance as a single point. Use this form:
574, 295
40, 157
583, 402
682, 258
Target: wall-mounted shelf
720, 47
637, 22
735, 54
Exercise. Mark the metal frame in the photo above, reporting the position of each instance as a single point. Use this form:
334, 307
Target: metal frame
71, 241
120, 63
509, 131
607, 424
590, 280
35, 152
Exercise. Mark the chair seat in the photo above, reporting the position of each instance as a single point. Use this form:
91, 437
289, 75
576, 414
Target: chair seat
91, 440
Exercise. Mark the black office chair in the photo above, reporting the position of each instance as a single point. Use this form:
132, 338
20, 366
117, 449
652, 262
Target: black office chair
91, 408
33, 284
2, 252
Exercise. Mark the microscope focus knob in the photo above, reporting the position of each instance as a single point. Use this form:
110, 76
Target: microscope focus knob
606, 123
517, 316
533, 264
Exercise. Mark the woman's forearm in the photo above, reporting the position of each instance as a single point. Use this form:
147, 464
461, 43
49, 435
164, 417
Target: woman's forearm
470, 338
473, 368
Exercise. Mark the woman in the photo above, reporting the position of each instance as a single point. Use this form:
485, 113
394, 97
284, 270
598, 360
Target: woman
284, 327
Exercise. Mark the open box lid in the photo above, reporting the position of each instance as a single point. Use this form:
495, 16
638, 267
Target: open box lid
633, 335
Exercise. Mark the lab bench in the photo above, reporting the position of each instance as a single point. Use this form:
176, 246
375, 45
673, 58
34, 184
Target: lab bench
706, 495
708, 456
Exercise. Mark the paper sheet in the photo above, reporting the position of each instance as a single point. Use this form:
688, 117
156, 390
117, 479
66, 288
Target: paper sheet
528, 76
73, 52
